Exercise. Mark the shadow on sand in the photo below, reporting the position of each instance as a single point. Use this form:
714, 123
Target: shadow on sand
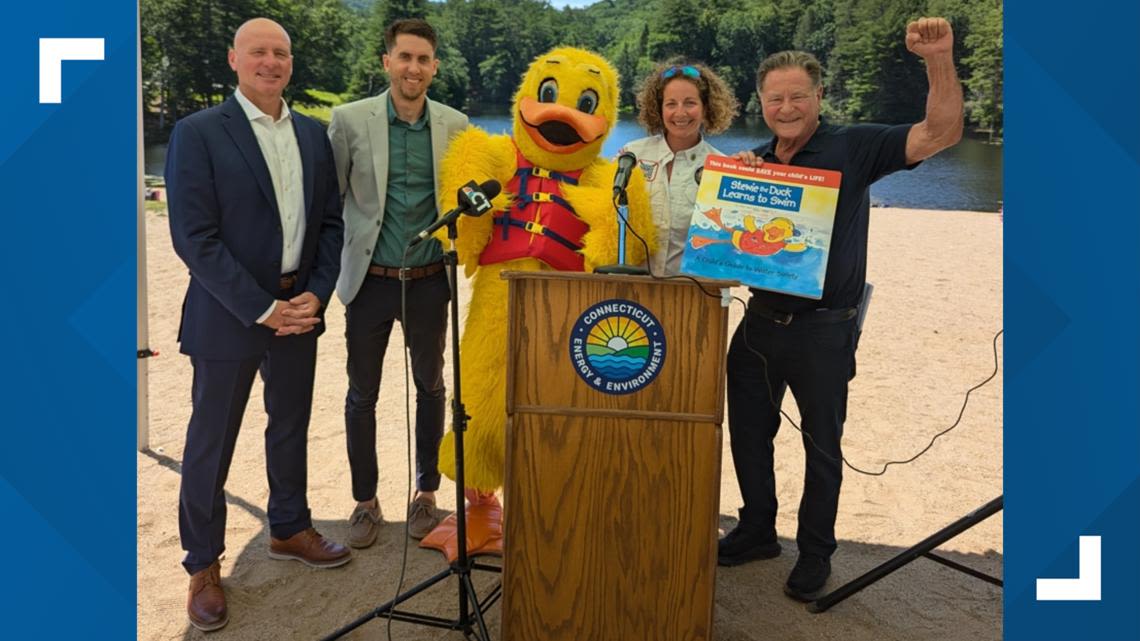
923, 600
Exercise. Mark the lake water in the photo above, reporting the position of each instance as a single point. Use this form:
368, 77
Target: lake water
968, 176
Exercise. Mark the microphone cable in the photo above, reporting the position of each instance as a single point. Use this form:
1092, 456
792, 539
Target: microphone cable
407, 423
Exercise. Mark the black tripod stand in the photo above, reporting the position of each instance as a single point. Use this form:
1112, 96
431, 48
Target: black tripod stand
471, 609
923, 548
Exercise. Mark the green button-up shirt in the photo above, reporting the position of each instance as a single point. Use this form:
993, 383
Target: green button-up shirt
409, 204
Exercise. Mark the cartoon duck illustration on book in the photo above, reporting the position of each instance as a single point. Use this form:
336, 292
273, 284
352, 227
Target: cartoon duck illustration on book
774, 236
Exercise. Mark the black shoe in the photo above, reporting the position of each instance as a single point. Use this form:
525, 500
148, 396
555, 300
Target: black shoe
744, 544
805, 583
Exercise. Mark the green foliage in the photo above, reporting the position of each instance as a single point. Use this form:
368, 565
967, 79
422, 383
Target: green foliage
742, 41
326, 98
320, 113
184, 49
984, 86
678, 30
367, 77
318, 104
321, 30
872, 76
486, 45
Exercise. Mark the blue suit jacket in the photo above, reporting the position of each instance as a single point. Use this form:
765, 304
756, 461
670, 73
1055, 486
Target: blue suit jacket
226, 228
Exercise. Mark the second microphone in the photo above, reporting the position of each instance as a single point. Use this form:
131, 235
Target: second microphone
474, 200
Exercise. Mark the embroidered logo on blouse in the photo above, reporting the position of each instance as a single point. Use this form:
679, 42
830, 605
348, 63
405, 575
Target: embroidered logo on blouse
649, 168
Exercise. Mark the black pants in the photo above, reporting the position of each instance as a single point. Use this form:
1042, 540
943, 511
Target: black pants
368, 324
220, 393
815, 360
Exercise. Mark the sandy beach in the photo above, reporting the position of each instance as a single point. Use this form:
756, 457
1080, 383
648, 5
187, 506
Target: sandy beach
928, 338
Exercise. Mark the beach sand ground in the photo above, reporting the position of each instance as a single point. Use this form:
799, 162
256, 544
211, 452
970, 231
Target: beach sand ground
928, 338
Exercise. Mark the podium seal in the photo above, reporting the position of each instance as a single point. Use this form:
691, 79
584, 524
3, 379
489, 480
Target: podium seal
617, 346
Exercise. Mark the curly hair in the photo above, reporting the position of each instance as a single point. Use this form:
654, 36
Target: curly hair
720, 105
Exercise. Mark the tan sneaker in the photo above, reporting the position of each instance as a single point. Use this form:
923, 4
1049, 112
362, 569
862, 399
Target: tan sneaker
422, 517
363, 526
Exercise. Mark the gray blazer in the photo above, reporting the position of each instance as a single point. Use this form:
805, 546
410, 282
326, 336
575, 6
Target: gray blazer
359, 135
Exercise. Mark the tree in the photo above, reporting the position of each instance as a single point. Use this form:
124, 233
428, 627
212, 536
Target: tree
984, 64
743, 39
677, 25
815, 31
367, 75
485, 47
186, 41
321, 33
872, 75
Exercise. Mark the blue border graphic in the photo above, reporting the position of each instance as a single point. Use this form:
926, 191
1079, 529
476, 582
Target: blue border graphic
67, 466
1072, 352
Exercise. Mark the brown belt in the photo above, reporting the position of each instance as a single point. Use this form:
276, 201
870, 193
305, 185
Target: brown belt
288, 280
410, 273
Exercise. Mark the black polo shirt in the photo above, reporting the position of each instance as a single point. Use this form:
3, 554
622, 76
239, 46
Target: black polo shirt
864, 154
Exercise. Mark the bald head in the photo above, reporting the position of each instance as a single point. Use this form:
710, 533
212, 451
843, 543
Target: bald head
263, 59
259, 26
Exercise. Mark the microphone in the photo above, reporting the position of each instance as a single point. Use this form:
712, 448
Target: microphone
625, 162
474, 200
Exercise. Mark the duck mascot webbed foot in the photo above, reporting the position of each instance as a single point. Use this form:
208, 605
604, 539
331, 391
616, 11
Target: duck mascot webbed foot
556, 212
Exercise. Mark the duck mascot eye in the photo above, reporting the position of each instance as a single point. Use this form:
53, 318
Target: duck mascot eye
555, 213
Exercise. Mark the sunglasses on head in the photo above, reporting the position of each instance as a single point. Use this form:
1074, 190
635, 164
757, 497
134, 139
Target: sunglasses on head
688, 71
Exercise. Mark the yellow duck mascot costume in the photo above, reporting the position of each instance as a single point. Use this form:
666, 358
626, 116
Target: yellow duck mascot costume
555, 212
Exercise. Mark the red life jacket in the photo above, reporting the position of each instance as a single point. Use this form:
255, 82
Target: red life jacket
539, 223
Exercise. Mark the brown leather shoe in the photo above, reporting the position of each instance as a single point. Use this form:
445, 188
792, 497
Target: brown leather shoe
206, 604
310, 548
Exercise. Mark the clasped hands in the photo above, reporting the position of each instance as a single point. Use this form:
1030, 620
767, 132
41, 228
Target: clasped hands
298, 315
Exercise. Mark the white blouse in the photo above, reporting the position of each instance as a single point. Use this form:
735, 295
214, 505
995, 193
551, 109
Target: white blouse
670, 197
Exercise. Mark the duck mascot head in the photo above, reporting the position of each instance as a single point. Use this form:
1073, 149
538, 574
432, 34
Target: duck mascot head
555, 212
565, 109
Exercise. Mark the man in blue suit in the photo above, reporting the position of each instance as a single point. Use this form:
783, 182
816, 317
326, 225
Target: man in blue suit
255, 215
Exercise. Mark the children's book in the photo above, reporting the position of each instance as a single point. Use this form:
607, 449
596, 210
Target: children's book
768, 227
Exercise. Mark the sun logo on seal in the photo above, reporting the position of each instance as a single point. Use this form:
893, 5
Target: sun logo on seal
617, 346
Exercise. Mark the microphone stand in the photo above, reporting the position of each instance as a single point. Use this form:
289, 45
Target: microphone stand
470, 620
621, 267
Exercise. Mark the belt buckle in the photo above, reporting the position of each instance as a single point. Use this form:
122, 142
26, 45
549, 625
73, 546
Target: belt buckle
784, 319
402, 273
533, 227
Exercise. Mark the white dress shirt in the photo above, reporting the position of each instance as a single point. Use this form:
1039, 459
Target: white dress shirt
278, 143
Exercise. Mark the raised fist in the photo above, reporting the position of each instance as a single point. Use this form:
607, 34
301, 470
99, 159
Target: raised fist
927, 37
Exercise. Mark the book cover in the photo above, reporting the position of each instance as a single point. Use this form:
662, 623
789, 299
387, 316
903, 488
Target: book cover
768, 227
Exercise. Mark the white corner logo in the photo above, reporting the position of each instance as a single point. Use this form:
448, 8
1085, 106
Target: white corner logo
53, 51
1086, 587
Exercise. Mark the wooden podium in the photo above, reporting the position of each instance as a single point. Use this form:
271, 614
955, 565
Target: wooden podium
611, 496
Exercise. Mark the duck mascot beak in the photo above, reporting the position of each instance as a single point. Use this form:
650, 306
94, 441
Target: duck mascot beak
565, 108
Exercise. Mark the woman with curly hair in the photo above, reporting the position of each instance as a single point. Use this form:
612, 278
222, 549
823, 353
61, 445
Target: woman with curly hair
678, 104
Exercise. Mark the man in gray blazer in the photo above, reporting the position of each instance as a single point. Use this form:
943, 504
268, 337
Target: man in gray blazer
387, 151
